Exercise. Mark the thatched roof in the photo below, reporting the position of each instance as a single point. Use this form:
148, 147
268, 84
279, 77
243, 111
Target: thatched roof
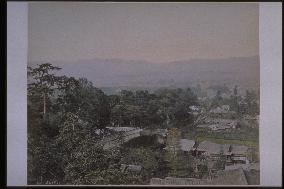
213, 148
238, 149
209, 147
186, 145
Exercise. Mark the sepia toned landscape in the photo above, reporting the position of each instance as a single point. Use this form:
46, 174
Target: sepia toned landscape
143, 94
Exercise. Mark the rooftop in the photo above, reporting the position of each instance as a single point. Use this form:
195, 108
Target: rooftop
186, 145
238, 149
209, 147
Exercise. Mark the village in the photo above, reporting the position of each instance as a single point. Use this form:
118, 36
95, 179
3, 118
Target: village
169, 136
207, 162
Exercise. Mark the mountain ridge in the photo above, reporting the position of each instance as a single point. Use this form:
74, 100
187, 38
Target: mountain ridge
118, 72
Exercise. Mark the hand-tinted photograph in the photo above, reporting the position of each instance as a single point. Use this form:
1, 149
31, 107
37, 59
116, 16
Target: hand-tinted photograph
143, 93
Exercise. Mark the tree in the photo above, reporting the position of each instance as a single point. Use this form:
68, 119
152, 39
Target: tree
172, 143
61, 143
113, 100
80, 150
236, 90
91, 103
178, 163
180, 166
112, 176
142, 156
251, 103
42, 153
43, 82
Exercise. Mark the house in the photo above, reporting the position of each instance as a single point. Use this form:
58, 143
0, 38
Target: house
187, 146
252, 121
217, 110
194, 108
220, 110
211, 149
239, 154
224, 109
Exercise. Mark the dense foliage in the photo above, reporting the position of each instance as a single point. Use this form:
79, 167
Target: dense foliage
68, 117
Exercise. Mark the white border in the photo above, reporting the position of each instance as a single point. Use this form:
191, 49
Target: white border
271, 94
17, 44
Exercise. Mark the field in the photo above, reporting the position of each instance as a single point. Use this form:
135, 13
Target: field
242, 137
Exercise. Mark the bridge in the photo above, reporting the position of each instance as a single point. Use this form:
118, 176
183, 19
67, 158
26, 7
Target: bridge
124, 135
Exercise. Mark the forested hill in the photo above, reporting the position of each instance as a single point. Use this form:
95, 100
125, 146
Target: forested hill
243, 71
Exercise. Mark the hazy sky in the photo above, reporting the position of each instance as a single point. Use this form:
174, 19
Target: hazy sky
156, 32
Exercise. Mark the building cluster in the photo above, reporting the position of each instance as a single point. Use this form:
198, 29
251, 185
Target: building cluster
232, 153
227, 164
224, 109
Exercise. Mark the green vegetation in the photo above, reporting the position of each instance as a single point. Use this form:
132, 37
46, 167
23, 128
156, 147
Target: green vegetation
245, 136
249, 143
68, 118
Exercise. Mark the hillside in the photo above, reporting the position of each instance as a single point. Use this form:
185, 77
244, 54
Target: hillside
243, 71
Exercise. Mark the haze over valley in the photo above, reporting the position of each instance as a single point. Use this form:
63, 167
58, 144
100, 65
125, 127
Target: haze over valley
243, 71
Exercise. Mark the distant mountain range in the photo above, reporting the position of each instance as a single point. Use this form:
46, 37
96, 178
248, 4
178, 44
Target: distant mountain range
243, 71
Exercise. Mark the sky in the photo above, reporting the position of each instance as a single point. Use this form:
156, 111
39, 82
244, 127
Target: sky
154, 32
